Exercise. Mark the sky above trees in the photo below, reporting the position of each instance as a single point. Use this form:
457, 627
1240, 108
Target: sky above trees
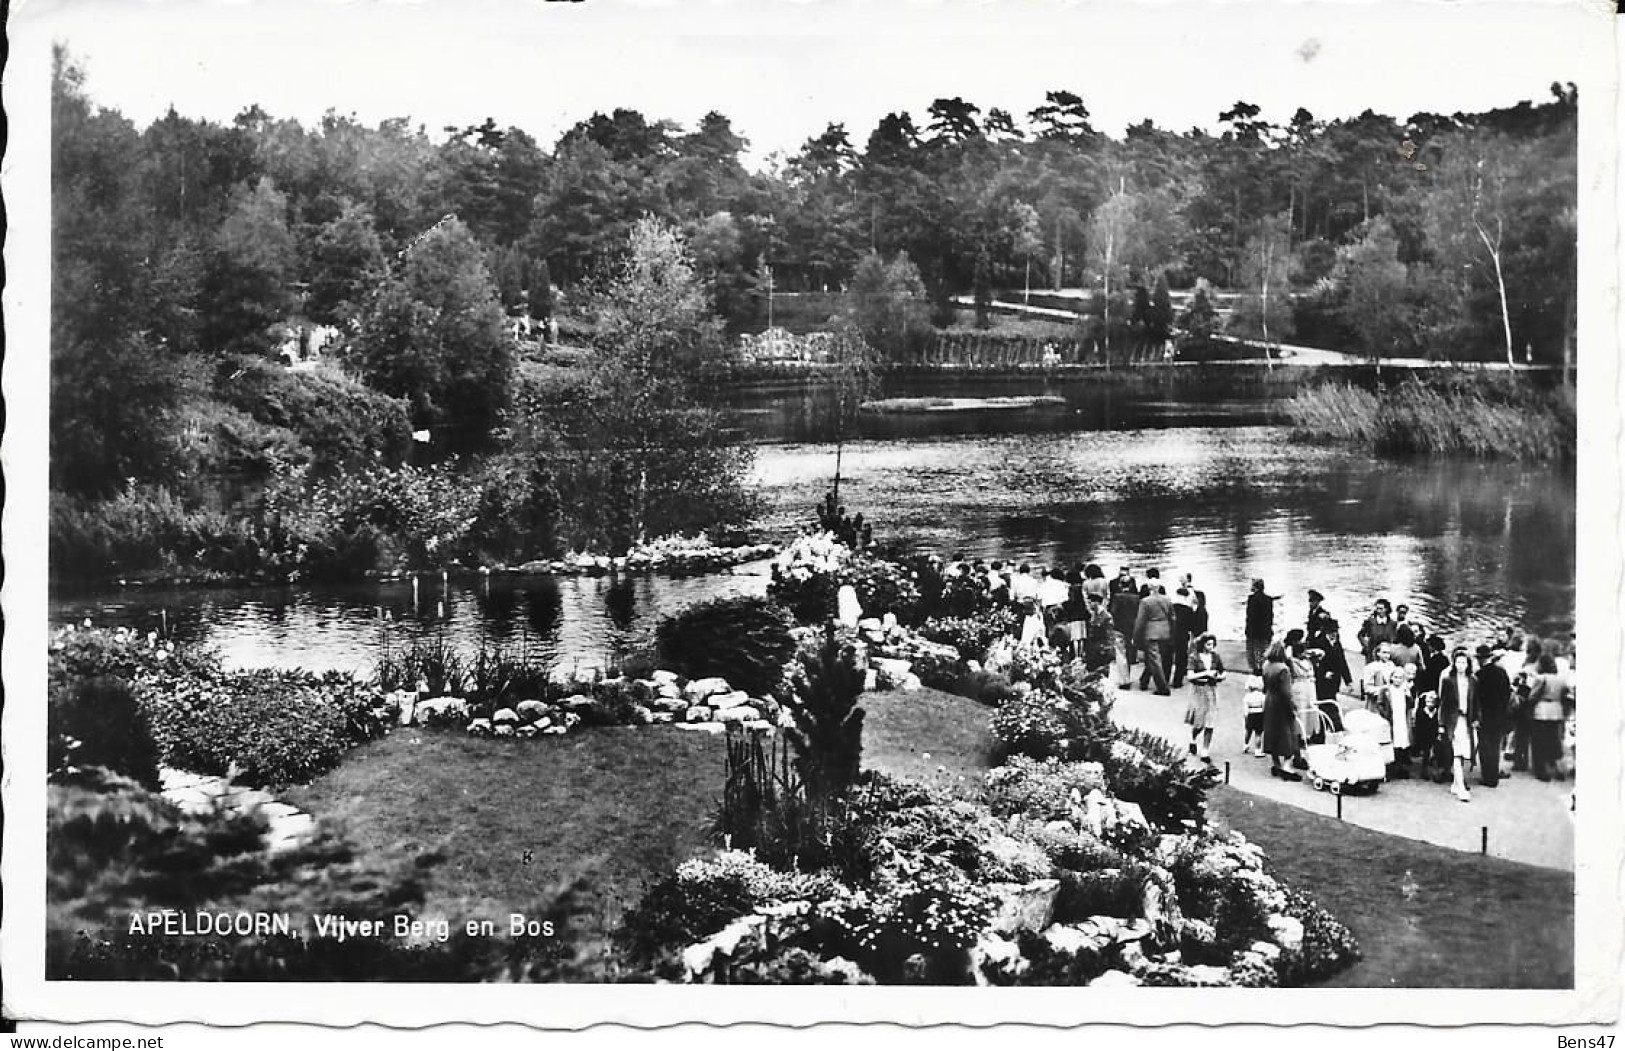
782, 71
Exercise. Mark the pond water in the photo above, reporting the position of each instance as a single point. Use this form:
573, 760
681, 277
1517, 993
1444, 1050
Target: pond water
1187, 477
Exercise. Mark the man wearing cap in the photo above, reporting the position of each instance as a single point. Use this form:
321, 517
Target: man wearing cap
1494, 697
1260, 625
1319, 616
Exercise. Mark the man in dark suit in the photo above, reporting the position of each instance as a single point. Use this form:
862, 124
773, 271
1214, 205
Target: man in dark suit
1494, 696
1260, 625
1153, 632
1124, 606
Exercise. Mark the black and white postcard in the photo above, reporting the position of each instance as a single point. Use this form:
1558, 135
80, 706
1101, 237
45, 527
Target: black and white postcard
812, 511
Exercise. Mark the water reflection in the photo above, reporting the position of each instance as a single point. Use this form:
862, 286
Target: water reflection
792, 412
1201, 481
1469, 545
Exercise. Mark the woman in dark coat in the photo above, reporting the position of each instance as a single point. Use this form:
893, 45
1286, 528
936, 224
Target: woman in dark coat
1281, 735
1331, 675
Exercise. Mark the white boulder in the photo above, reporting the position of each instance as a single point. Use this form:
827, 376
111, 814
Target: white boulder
1115, 979
1287, 932
701, 690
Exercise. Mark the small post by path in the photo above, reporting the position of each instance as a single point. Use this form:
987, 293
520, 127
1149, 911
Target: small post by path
1339, 798
1227, 772
1484, 840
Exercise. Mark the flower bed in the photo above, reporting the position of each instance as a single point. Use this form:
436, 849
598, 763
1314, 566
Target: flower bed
266, 728
1084, 859
1048, 885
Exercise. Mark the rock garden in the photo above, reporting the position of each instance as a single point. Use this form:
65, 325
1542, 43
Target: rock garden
1082, 857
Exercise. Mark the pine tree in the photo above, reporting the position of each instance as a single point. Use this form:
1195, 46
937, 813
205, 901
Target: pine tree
828, 730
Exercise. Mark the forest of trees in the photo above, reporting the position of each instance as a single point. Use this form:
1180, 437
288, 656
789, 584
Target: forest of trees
180, 247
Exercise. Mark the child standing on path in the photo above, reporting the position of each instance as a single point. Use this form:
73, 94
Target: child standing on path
1252, 704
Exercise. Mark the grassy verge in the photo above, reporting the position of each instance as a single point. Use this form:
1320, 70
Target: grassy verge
1468, 922
1485, 415
514, 818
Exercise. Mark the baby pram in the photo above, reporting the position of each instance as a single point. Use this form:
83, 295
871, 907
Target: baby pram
1356, 759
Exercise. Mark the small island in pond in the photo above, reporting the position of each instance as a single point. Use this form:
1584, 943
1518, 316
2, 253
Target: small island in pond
911, 405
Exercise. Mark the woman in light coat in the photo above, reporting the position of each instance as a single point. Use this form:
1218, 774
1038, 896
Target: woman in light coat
1458, 711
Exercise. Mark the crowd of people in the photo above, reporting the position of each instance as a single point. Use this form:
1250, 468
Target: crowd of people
1448, 709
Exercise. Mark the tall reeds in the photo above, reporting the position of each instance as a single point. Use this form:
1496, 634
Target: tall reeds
1480, 415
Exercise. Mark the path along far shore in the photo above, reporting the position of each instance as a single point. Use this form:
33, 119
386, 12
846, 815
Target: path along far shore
1526, 819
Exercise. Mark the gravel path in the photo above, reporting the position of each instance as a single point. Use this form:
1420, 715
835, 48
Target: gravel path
1527, 820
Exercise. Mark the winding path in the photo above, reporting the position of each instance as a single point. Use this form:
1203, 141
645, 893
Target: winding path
1527, 820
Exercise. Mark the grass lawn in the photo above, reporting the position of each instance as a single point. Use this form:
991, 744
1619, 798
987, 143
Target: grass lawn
625, 806
514, 818
1469, 921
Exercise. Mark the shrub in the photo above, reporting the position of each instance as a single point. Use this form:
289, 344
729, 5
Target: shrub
809, 597
883, 587
1328, 946
744, 639
1030, 726
275, 727
985, 687
916, 929
1151, 773
147, 530
114, 850
1101, 892
638, 663
972, 634
1075, 849
97, 722
1041, 791
338, 420
939, 671
675, 913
